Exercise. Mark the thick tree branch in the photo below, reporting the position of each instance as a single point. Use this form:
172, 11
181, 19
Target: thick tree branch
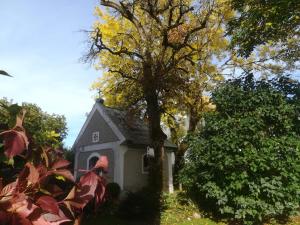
124, 75
124, 10
98, 46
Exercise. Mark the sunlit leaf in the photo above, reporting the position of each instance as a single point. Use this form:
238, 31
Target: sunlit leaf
60, 164
48, 204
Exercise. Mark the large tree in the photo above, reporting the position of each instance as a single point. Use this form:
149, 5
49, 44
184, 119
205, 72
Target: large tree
151, 48
163, 57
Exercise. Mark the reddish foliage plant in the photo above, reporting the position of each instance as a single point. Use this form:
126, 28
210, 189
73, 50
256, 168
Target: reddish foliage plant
36, 196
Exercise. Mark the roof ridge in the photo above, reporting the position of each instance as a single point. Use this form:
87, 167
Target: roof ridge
109, 107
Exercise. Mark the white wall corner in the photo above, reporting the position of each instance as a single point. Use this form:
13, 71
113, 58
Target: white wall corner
119, 167
170, 172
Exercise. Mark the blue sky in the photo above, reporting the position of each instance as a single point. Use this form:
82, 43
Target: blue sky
40, 45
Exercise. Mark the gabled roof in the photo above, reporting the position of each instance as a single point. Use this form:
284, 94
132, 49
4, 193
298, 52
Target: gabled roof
135, 130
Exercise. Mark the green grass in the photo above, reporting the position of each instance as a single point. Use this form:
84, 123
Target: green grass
110, 220
178, 211
181, 211
175, 212
177, 220
113, 220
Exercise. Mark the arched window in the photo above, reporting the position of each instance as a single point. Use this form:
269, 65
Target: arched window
145, 163
92, 160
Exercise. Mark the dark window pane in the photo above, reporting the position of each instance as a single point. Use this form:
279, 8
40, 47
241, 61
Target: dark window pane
93, 161
145, 163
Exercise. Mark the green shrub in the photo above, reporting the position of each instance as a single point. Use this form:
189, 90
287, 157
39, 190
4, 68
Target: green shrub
245, 164
113, 190
137, 205
112, 194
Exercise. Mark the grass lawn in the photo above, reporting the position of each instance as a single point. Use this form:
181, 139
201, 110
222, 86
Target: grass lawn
176, 212
113, 220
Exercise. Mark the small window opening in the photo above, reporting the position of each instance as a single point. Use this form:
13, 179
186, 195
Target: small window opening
95, 137
93, 161
146, 163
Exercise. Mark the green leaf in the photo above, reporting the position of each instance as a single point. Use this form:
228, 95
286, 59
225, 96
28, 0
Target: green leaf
59, 177
2, 72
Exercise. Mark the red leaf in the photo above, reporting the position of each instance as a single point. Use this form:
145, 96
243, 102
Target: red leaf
33, 176
29, 175
49, 218
100, 192
18, 220
88, 184
4, 217
48, 204
8, 189
89, 179
15, 142
85, 191
60, 164
65, 173
43, 221
102, 163
54, 190
22, 208
71, 194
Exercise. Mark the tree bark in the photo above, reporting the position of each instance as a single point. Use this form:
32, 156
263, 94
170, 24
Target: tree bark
193, 120
182, 148
157, 137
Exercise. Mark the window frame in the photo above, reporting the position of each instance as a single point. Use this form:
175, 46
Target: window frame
94, 154
98, 135
143, 166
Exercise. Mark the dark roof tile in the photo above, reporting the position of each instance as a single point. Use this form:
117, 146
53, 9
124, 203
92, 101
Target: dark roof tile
135, 130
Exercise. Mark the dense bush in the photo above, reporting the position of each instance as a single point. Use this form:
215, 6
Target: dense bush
42, 129
113, 190
137, 205
43, 191
245, 164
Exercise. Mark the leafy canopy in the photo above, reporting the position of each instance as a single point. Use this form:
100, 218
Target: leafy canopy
181, 42
172, 40
43, 191
244, 165
45, 129
258, 22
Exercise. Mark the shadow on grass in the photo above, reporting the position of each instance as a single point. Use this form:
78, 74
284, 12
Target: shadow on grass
138, 208
113, 220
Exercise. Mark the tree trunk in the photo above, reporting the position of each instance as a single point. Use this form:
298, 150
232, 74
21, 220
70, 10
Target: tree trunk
182, 148
193, 120
157, 137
